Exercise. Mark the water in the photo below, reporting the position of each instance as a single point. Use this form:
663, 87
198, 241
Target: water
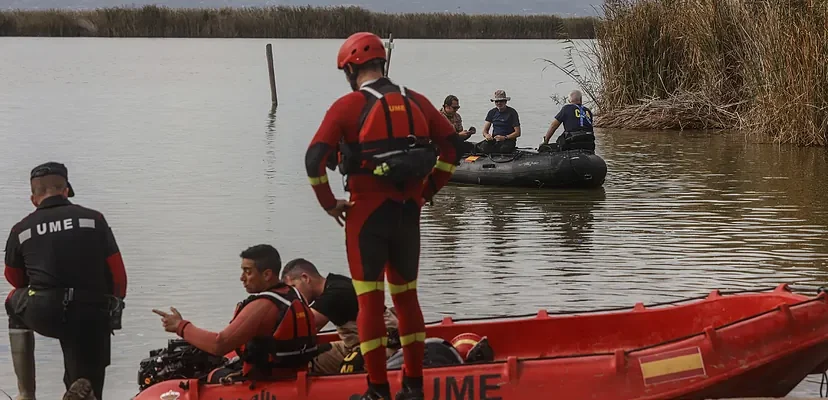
173, 140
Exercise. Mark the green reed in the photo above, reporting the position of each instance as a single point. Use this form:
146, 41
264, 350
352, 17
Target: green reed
759, 66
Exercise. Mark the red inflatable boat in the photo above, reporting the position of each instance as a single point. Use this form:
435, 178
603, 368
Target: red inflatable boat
737, 344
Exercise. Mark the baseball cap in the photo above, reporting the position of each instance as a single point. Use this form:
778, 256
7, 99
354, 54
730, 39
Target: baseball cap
52, 168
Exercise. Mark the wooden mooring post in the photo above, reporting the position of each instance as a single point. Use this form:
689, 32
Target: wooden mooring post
390, 46
273, 97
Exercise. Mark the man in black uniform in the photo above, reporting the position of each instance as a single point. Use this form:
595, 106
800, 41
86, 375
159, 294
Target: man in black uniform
331, 298
577, 122
69, 280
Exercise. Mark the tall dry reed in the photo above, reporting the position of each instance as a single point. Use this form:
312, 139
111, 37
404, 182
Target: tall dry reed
756, 65
286, 22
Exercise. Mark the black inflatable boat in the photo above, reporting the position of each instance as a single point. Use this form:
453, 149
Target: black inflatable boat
528, 168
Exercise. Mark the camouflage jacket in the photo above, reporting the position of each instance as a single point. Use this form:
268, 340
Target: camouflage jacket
455, 120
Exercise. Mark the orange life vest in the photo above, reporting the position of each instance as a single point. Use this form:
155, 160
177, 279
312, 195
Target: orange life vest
394, 141
293, 342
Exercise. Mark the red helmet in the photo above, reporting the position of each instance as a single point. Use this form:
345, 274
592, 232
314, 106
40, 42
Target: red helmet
464, 342
359, 48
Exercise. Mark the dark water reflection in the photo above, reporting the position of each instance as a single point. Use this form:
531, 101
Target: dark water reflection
680, 214
271, 156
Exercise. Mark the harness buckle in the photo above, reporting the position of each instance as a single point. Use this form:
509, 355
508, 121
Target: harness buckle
307, 350
68, 296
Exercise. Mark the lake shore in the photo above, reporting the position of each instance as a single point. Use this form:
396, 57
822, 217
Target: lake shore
286, 22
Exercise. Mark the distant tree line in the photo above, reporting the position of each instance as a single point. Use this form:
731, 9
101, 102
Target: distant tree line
286, 22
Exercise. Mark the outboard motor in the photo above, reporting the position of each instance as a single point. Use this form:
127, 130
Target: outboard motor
179, 360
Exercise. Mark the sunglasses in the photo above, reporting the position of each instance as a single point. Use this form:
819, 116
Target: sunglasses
455, 108
500, 101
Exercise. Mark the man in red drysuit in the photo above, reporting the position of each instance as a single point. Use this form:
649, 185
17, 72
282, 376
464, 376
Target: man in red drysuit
383, 137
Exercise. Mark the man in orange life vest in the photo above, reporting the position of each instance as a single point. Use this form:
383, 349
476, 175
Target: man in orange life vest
386, 136
267, 345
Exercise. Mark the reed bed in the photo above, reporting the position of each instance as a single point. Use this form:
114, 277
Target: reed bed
286, 22
751, 65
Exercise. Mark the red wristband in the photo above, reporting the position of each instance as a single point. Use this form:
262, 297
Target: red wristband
181, 325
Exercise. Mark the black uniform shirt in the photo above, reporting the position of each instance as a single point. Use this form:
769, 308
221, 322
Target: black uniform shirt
338, 300
575, 117
64, 245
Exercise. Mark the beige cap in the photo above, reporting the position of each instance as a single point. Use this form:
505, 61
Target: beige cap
500, 94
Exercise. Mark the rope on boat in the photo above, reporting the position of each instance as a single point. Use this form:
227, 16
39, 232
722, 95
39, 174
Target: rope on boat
515, 157
599, 310
489, 156
572, 165
824, 382
627, 352
748, 318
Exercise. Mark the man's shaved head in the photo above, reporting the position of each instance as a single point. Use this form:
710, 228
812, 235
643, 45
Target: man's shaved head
48, 185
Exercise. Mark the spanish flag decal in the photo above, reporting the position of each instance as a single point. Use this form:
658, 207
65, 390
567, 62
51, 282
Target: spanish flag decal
672, 366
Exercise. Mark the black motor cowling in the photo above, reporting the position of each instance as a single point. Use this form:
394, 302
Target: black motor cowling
179, 360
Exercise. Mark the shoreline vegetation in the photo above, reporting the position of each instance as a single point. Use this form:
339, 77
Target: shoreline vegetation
286, 22
759, 67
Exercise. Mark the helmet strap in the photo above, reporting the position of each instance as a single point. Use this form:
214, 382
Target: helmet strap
351, 74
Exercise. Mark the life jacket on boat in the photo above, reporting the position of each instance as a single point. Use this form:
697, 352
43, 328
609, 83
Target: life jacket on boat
394, 144
438, 353
292, 344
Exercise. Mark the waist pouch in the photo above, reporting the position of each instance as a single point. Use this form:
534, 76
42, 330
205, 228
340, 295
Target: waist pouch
116, 312
405, 165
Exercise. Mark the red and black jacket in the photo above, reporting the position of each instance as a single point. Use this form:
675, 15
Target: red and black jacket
389, 122
342, 124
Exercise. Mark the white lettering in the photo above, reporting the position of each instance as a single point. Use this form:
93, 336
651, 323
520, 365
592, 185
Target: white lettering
54, 226
41, 229
67, 224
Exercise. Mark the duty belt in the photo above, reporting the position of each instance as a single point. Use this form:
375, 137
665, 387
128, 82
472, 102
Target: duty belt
83, 296
113, 303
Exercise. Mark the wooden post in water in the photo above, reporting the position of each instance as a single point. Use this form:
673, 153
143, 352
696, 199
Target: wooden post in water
390, 46
273, 97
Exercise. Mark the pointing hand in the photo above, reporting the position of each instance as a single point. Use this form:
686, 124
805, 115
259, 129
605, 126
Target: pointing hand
170, 321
